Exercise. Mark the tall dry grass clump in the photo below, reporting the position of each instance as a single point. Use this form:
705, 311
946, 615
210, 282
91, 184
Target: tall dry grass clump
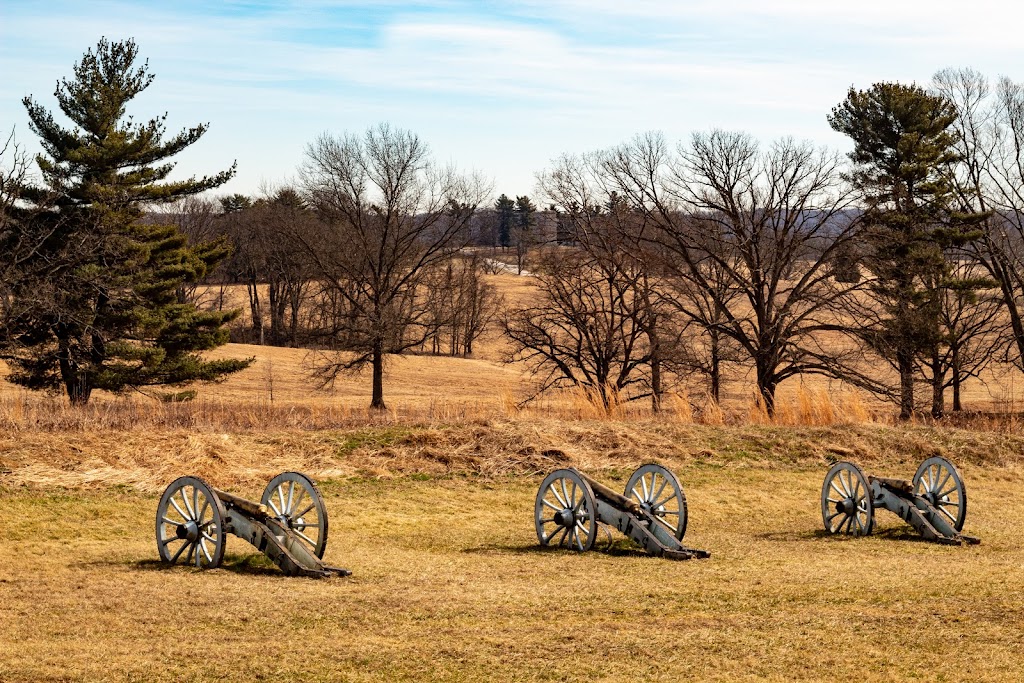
805, 407
121, 414
812, 408
678, 406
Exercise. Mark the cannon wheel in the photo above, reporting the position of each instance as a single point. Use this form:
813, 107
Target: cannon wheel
846, 505
938, 480
658, 491
190, 524
295, 501
565, 512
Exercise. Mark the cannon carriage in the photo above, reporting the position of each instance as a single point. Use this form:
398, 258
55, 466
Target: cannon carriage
934, 502
571, 508
288, 525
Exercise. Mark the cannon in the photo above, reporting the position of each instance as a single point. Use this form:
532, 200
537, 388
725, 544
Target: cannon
934, 502
570, 507
288, 525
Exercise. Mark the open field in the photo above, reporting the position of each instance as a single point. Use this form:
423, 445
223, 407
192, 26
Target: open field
436, 522
431, 506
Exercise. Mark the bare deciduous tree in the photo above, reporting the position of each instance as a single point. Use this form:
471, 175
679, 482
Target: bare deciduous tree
768, 222
704, 348
589, 329
990, 139
248, 257
972, 334
599, 222
390, 215
461, 304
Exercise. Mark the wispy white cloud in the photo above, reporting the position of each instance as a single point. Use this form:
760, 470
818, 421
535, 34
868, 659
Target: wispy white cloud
500, 86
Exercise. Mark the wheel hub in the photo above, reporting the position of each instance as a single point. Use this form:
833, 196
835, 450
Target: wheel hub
846, 506
189, 531
565, 517
648, 507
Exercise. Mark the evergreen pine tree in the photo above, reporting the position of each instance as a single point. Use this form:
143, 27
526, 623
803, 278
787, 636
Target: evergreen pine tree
523, 230
904, 152
506, 213
103, 312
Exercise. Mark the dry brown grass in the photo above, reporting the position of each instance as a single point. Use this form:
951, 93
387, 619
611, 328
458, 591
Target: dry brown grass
449, 583
431, 506
277, 390
432, 509
149, 456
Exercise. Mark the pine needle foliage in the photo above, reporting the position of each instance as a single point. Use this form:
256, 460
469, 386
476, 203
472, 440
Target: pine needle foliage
904, 155
96, 307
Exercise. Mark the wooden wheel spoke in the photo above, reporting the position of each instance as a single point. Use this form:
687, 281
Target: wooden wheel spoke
572, 512
184, 499
180, 550
654, 487
305, 511
202, 541
292, 496
559, 498
181, 512
846, 483
939, 479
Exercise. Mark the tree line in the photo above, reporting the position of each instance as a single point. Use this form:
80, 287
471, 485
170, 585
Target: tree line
657, 262
791, 260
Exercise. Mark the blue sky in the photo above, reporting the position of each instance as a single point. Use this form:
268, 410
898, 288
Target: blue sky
499, 87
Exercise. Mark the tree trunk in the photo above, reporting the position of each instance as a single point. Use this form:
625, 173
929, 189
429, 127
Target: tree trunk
277, 307
655, 383
906, 369
766, 384
938, 384
256, 309
716, 369
377, 402
938, 392
76, 382
1000, 271
652, 335
293, 326
78, 390
957, 407
768, 396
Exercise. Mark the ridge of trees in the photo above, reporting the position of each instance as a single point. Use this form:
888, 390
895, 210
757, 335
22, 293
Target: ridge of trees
653, 263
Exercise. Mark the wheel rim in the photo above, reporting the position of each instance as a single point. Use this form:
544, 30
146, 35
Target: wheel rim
564, 513
190, 524
295, 501
939, 482
846, 505
658, 491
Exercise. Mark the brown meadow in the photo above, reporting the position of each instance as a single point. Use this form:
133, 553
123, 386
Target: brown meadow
431, 507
